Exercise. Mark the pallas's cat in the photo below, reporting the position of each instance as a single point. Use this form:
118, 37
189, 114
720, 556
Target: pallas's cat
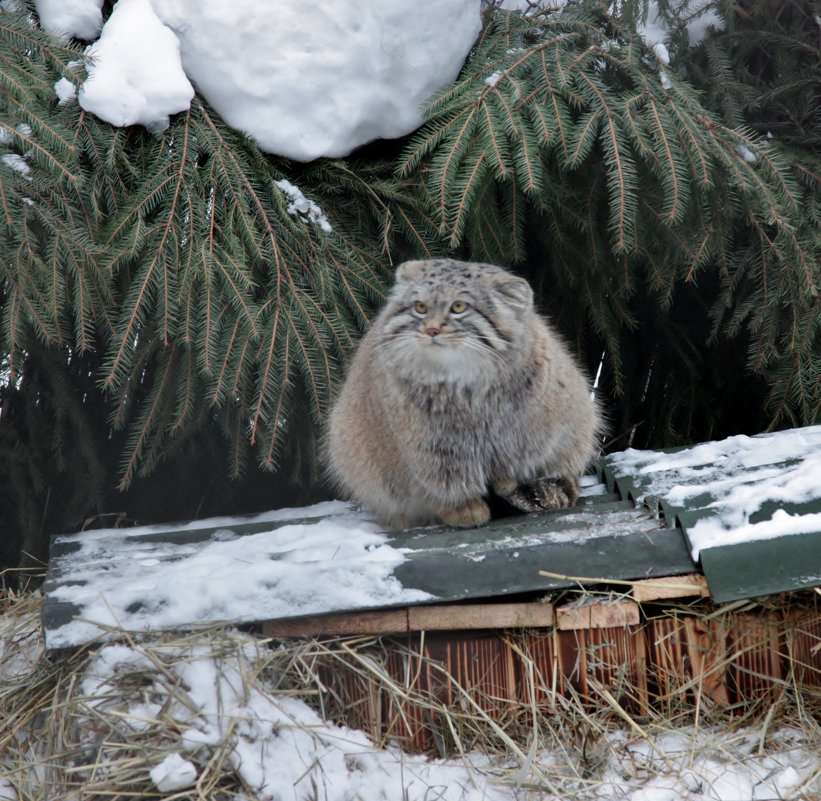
459, 387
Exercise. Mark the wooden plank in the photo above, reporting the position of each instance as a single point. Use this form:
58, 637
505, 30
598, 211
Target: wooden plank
597, 615
480, 616
670, 587
389, 621
422, 618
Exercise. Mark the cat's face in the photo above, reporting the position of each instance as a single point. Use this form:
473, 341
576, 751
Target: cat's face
450, 320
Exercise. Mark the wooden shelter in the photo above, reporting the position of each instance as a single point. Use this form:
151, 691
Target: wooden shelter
620, 600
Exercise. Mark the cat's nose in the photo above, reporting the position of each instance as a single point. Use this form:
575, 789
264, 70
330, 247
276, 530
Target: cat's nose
432, 330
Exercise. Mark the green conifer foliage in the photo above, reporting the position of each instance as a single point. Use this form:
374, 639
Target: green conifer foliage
163, 306
567, 122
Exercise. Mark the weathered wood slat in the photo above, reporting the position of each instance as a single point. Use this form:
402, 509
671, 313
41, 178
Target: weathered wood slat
670, 587
618, 614
416, 618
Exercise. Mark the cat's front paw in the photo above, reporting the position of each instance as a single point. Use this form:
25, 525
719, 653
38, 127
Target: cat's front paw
474, 513
545, 494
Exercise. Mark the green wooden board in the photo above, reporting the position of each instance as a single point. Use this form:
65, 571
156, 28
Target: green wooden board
735, 492
602, 537
766, 567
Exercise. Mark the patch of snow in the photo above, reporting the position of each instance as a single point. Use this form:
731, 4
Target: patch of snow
701, 16
746, 154
65, 90
135, 76
532, 6
274, 742
317, 565
493, 79
67, 19
697, 16
17, 163
713, 532
301, 207
220, 701
173, 773
661, 53
666, 83
7, 791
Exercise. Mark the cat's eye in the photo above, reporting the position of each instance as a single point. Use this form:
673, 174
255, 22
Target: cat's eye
420, 307
458, 307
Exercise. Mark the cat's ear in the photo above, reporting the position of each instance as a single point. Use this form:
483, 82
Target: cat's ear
515, 290
409, 270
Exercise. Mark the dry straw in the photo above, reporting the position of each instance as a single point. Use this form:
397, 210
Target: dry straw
59, 742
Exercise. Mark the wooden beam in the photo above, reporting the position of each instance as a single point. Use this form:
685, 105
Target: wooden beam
597, 615
446, 617
390, 621
656, 589
480, 616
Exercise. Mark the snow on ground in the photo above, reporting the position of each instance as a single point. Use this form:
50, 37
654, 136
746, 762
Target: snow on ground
303, 81
130, 578
204, 705
742, 474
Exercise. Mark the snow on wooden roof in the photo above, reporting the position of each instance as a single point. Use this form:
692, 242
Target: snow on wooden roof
750, 507
330, 558
660, 512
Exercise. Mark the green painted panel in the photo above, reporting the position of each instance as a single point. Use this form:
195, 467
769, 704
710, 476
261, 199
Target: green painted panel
765, 567
602, 537
738, 482
650, 553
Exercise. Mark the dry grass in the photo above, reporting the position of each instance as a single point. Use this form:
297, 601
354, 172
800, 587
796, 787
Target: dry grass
62, 737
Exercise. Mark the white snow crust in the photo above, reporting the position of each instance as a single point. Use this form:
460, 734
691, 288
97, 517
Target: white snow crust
303, 82
316, 565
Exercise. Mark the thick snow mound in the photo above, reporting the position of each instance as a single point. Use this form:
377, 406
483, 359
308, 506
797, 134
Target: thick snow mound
66, 19
304, 82
320, 82
135, 75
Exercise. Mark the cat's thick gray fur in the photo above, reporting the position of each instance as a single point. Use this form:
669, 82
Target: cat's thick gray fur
439, 406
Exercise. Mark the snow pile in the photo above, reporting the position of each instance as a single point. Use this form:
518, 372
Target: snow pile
714, 764
277, 745
67, 19
219, 576
135, 76
303, 81
742, 474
